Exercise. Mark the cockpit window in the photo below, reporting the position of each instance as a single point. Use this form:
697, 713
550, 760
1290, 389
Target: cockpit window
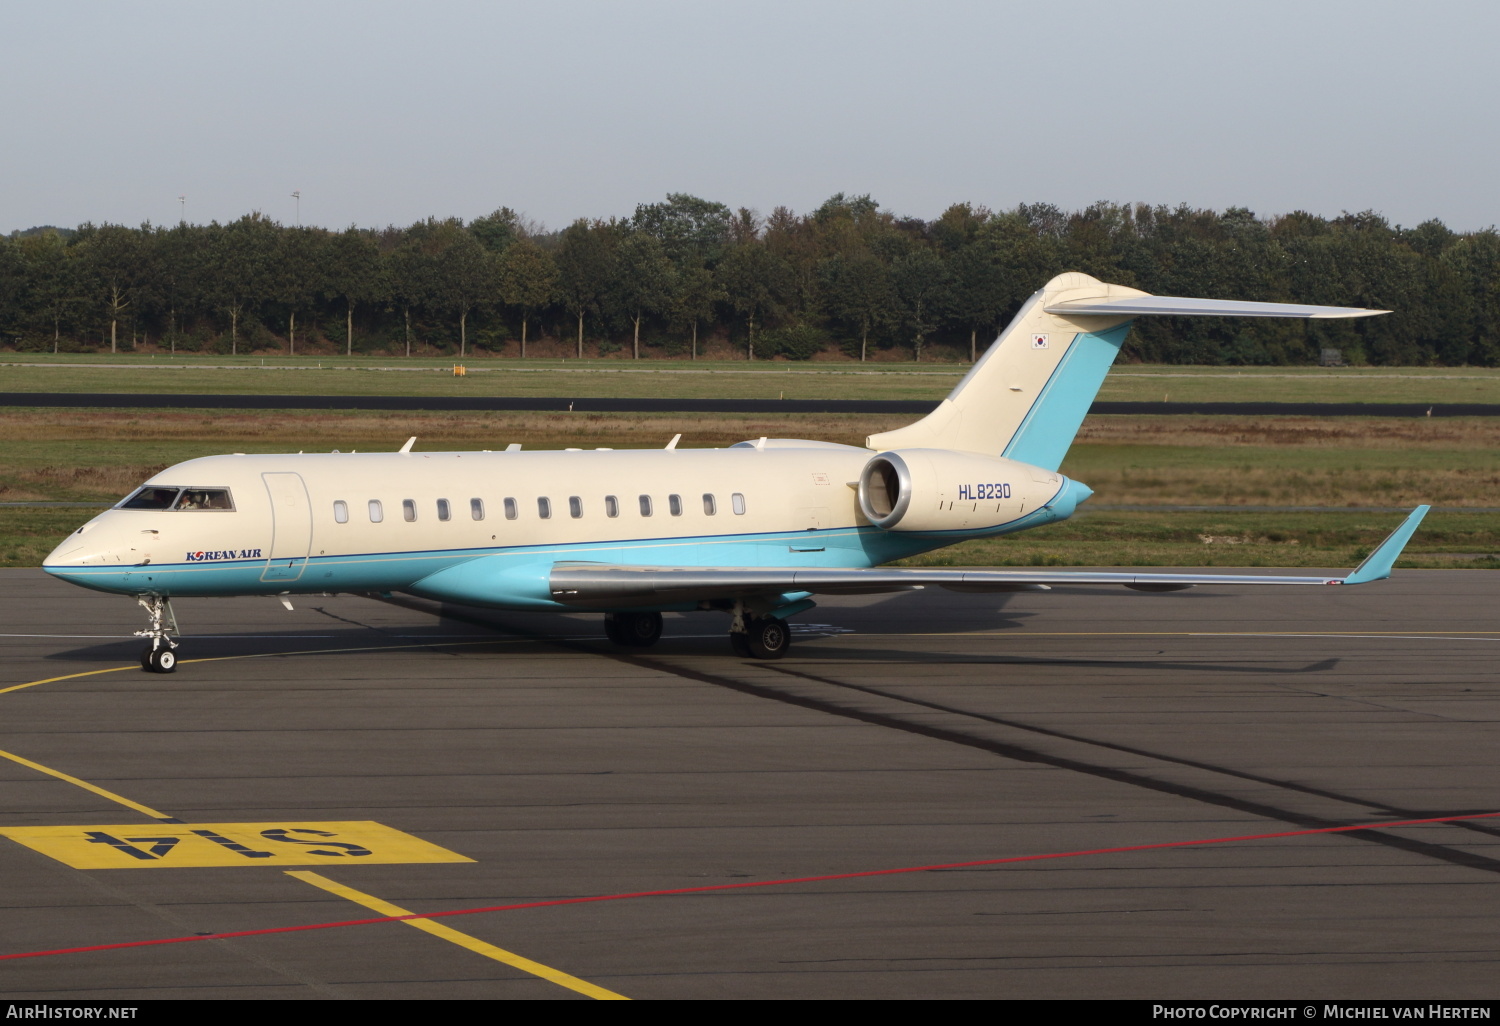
157, 497
204, 498
150, 497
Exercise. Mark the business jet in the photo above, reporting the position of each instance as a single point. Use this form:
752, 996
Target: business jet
754, 530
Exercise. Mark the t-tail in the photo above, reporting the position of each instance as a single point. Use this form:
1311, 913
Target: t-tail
1027, 396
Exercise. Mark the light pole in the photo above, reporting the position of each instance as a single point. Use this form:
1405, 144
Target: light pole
183, 200
297, 195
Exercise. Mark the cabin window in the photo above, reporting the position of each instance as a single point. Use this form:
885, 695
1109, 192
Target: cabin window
737, 503
377, 512
645, 505
340, 511
204, 498
674, 505
476, 509
510, 509
575, 507
710, 507
611, 506
445, 511
149, 498
544, 507
409, 510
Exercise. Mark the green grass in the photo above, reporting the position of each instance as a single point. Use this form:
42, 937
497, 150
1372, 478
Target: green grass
27, 535
93, 454
705, 379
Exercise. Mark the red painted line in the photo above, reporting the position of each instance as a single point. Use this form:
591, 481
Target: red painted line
756, 883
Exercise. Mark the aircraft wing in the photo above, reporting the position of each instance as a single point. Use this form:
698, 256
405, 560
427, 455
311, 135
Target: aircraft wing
603, 584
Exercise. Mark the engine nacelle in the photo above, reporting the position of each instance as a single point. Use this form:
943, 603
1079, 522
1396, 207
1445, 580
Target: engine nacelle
923, 490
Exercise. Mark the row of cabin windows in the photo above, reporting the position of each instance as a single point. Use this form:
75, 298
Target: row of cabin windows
543, 508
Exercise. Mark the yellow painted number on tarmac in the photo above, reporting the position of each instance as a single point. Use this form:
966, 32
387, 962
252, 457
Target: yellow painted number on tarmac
191, 845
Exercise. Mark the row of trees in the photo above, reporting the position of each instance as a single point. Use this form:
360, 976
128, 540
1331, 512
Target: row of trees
848, 276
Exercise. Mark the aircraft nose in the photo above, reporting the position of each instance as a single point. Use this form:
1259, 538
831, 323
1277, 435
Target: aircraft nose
66, 556
81, 548
64, 553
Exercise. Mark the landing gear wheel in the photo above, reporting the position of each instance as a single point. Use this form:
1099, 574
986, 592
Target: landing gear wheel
162, 659
635, 630
612, 629
767, 637
160, 653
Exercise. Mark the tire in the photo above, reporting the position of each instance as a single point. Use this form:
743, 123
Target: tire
636, 630
768, 638
159, 660
612, 629
740, 643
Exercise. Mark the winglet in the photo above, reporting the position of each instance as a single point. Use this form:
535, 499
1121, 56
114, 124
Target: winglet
1377, 565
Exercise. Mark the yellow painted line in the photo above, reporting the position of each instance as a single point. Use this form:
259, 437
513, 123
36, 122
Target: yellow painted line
137, 806
70, 676
463, 940
272, 655
196, 845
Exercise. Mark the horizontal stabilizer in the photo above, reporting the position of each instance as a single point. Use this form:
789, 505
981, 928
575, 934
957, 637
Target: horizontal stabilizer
1177, 306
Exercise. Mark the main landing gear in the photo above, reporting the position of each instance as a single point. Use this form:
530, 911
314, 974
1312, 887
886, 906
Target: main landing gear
634, 630
160, 653
758, 637
752, 637
764, 637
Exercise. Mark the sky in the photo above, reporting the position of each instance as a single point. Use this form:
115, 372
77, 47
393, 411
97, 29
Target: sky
387, 113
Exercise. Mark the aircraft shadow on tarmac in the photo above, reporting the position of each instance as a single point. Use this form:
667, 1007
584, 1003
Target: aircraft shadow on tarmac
705, 644
696, 634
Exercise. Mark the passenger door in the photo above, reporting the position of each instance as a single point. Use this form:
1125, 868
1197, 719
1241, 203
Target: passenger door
291, 527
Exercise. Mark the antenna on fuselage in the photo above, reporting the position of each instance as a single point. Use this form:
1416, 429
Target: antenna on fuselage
675, 439
513, 447
407, 447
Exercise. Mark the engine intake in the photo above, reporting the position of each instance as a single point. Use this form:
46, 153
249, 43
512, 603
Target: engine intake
885, 490
934, 490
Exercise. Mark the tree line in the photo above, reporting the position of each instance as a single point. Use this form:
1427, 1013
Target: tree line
680, 274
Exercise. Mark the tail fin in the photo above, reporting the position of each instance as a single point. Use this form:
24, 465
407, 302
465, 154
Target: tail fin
1027, 396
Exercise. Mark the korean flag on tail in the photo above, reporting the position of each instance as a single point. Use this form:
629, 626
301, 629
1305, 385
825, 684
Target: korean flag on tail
1039, 341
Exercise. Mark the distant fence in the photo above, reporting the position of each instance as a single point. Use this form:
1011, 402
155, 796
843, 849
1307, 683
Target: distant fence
539, 404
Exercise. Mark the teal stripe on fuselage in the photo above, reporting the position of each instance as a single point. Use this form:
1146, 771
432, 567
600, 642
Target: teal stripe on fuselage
1053, 420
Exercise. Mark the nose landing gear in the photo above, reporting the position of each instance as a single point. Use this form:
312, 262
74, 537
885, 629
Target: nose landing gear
160, 653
